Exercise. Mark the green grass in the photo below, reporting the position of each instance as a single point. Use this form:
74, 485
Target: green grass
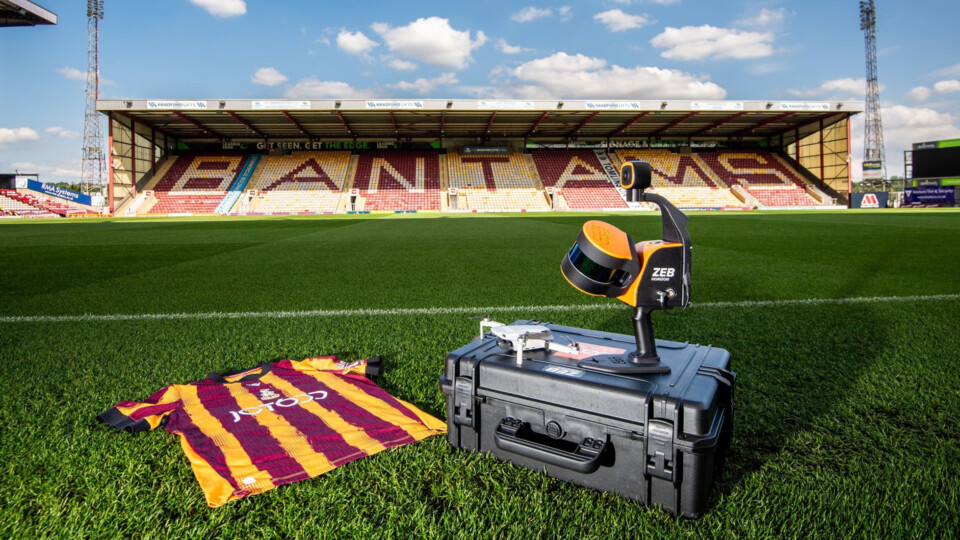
846, 414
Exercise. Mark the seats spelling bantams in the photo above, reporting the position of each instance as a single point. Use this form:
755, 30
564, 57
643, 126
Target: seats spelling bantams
495, 182
302, 182
683, 179
763, 175
579, 177
397, 180
195, 183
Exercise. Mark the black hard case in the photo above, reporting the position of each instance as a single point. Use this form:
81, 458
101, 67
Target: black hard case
659, 439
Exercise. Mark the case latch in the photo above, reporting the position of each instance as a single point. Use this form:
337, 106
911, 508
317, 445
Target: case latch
660, 449
463, 398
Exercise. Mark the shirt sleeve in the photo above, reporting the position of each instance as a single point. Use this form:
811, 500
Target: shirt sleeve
369, 367
133, 416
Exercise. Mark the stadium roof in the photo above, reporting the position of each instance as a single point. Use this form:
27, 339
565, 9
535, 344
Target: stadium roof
24, 13
433, 119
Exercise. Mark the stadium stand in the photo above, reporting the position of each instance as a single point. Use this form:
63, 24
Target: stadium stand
579, 177
762, 174
398, 180
12, 205
302, 182
684, 179
29, 205
194, 184
495, 182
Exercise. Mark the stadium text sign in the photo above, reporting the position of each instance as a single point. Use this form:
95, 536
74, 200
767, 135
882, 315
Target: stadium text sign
948, 143
872, 170
938, 195
279, 105
517, 105
168, 104
308, 145
716, 105
613, 105
394, 104
485, 150
804, 106
59, 192
877, 199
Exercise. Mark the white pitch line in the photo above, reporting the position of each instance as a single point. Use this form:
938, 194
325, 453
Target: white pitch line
451, 310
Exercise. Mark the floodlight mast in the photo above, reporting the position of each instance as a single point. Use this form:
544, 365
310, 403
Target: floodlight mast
873, 135
92, 166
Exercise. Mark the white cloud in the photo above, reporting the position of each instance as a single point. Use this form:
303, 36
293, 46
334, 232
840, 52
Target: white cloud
902, 126
17, 135
425, 86
618, 21
222, 8
919, 93
766, 17
531, 13
766, 68
59, 172
432, 41
923, 93
506, 48
710, 42
848, 88
355, 43
311, 87
62, 133
949, 71
945, 87
399, 65
268, 76
73, 74
562, 75
67, 174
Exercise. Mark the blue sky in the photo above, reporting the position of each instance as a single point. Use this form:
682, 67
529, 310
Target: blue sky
614, 49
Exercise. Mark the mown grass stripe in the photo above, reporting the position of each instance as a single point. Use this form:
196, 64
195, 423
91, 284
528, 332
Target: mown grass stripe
450, 310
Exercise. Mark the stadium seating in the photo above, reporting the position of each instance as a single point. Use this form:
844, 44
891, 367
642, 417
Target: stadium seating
302, 182
28, 205
398, 180
580, 178
11, 204
671, 169
195, 183
762, 174
683, 179
504, 200
495, 182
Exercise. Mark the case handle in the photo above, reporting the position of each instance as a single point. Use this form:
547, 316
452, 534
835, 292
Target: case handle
515, 436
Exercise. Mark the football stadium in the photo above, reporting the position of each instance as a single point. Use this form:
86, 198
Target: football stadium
329, 255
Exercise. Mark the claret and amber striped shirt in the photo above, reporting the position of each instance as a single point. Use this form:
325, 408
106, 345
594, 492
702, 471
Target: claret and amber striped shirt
247, 432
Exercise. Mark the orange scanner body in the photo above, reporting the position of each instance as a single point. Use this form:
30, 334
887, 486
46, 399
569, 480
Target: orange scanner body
645, 251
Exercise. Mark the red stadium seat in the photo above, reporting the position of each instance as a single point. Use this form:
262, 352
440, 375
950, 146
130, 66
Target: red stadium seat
195, 183
399, 180
581, 178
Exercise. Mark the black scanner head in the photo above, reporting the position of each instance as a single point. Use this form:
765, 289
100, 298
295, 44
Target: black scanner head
635, 176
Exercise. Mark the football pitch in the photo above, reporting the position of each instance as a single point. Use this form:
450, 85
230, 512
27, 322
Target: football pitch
843, 328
